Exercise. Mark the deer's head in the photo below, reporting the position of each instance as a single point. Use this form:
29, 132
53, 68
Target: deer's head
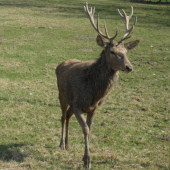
115, 51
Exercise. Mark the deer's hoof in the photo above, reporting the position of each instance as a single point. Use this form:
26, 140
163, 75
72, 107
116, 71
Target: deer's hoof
87, 166
87, 162
62, 146
67, 147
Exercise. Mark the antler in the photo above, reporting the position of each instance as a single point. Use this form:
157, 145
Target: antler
127, 18
91, 17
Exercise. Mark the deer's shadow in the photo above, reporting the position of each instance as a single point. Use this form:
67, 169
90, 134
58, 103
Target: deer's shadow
12, 152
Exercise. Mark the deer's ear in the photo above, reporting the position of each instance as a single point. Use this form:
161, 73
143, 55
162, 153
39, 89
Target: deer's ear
132, 44
101, 41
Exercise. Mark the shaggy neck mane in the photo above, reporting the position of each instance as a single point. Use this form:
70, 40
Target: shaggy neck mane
100, 69
99, 76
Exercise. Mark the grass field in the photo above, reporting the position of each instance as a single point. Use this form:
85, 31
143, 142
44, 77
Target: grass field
131, 131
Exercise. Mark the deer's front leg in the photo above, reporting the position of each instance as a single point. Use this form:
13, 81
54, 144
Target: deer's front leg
89, 121
80, 117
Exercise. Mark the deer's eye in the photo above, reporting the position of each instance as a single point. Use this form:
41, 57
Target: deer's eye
112, 52
121, 56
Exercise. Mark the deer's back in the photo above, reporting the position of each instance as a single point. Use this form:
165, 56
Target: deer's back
70, 75
65, 66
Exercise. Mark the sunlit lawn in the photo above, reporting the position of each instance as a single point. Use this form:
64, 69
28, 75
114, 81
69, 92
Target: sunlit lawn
131, 131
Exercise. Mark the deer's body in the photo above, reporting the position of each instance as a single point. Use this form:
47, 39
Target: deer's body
83, 85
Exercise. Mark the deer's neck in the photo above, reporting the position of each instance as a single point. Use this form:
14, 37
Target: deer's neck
101, 76
103, 71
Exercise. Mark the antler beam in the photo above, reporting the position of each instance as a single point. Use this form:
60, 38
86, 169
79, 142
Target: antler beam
106, 36
91, 17
127, 18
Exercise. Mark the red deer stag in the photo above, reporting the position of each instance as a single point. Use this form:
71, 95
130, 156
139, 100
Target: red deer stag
84, 85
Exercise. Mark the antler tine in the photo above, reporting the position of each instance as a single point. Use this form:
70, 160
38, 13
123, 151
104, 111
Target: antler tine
105, 28
127, 18
120, 13
117, 31
128, 32
93, 10
125, 15
98, 23
131, 12
91, 17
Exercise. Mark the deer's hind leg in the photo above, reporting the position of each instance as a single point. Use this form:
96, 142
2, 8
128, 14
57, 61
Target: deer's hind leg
64, 106
68, 118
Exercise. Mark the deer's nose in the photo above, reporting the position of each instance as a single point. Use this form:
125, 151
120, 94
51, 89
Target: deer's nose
129, 68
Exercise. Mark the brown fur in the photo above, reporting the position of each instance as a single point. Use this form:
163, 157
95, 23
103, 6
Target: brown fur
83, 86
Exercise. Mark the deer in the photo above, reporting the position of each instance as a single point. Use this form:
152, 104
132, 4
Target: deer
83, 85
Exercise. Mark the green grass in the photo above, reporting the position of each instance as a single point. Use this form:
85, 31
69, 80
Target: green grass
131, 131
